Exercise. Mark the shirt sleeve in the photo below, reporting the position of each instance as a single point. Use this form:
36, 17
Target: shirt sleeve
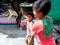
27, 27
37, 28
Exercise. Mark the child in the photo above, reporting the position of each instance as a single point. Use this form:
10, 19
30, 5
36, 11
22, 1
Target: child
29, 26
28, 14
43, 27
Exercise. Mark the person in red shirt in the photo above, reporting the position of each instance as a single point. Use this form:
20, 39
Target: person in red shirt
42, 29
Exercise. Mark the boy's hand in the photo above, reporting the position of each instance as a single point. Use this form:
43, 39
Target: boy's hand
26, 40
30, 41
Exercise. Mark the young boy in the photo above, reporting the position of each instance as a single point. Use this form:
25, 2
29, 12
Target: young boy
29, 26
28, 14
43, 27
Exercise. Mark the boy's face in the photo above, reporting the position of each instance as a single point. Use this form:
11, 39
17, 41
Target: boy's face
29, 17
38, 15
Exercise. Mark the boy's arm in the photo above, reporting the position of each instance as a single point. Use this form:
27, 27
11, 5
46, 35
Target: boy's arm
31, 38
32, 35
30, 41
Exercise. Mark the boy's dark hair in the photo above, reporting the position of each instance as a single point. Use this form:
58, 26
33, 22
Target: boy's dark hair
42, 6
30, 13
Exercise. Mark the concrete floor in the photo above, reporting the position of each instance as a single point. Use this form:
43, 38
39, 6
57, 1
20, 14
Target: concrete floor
12, 31
12, 35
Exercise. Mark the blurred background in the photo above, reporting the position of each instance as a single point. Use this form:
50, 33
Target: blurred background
12, 32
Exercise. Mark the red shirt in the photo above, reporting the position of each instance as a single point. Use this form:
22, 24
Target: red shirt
38, 29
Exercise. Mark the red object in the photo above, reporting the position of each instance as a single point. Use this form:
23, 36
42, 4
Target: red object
23, 23
58, 43
38, 31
